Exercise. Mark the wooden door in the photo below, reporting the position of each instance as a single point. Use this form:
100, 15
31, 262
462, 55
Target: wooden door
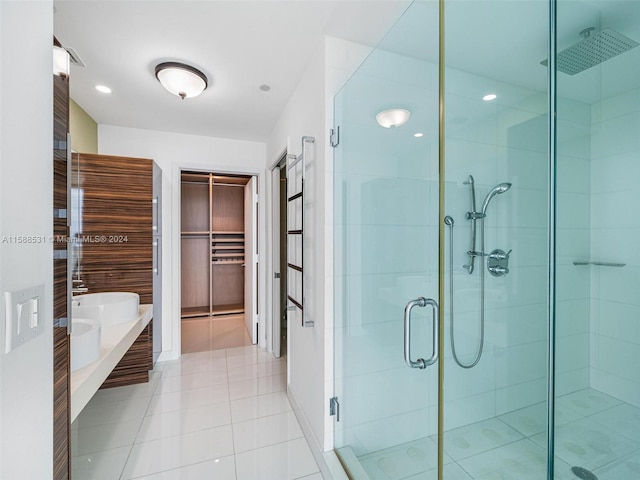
251, 259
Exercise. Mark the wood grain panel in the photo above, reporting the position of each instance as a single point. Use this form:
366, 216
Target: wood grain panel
61, 403
116, 244
228, 209
195, 272
116, 224
228, 284
136, 363
195, 207
61, 345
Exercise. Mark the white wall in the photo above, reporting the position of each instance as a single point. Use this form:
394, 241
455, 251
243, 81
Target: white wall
26, 208
304, 115
310, 112
174, 152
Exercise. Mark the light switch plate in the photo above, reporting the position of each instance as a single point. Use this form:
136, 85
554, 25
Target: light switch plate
23, 316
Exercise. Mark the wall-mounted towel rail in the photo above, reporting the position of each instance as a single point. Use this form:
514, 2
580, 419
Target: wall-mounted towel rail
296, 170
601, 264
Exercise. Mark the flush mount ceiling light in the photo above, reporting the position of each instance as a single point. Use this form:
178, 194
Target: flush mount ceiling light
394, 117
182, 80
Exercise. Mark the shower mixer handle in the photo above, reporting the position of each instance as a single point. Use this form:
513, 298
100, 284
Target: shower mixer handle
500, 256
498, 271
498, 262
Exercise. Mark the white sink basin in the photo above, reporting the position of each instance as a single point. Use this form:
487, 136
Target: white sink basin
85, 342
109, 308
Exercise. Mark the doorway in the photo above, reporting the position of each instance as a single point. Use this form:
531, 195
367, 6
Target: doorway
279, 202
218, 261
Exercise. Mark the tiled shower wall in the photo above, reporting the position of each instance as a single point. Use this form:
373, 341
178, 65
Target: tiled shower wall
392, 192
508, 143
388, 194
615, 227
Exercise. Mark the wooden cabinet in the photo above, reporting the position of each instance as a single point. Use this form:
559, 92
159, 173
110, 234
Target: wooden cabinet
213, 244
115, 243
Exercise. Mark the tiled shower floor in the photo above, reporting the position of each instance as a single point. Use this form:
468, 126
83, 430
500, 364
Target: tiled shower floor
593, 431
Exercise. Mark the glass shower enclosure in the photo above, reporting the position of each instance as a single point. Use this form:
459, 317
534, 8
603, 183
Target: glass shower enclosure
486, 320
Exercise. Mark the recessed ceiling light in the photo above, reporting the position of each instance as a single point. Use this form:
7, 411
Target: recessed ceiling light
264, 87
394, 117
103, 89
418, 134
489, 97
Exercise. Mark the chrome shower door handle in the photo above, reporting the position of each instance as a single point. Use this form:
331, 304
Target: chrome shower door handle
420, 363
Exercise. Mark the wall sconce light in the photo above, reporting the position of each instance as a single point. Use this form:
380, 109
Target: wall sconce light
60, 62
182, 80
394, 117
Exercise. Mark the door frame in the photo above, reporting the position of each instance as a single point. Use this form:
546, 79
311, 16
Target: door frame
276, 235
172, 332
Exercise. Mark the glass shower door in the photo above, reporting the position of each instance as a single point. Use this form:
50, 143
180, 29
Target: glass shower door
386, 256
496, 200
496, 230
597, 432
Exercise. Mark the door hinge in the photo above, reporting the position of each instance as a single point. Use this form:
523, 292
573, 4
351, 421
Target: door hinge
334, 137
334, 408
276, 274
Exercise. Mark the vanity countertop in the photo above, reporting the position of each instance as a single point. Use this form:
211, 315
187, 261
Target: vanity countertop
115, 342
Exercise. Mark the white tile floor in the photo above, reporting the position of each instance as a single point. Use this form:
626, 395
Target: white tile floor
594, 431
220, 414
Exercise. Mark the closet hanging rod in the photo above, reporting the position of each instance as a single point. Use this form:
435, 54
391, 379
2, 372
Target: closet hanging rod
194, 182
216, 184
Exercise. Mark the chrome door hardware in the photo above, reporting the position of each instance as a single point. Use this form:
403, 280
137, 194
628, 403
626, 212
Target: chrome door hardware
334, 408
498, 262
421, 363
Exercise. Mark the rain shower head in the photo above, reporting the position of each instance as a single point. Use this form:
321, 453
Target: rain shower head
592, 50
497, 190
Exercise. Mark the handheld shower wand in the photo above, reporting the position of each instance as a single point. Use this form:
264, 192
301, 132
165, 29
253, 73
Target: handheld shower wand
497, 190
473, 215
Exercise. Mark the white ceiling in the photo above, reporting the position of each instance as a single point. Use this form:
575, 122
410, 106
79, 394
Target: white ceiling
243, 44
239, 45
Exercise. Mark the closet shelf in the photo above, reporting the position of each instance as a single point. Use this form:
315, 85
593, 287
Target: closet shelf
195, 311
228, 240
228, 309
212, 246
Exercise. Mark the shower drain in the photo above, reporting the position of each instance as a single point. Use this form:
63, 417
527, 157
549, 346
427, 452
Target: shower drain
583, 473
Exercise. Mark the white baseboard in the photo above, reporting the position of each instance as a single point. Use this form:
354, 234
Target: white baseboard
330, 466
168, 355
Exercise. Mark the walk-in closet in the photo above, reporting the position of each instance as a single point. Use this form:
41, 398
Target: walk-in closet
218, 230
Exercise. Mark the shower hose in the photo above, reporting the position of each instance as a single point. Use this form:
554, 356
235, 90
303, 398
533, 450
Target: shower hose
449, 221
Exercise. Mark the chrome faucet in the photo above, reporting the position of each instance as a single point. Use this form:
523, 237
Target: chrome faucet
80, 288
